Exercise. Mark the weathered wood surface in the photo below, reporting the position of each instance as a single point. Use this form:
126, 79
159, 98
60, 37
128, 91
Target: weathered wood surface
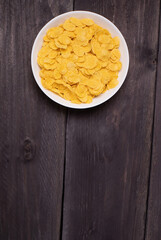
153, 230
108, 148
32, 129
110, 186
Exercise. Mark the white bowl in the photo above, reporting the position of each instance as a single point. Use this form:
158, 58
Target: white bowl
103, 22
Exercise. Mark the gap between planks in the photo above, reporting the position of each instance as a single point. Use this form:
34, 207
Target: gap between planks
63, 188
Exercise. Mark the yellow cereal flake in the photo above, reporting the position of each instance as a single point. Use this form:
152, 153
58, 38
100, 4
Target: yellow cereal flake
96, 48
69, 34
49, 60
54, 32
81, 35
77, 22
87, 21
59, 45
103, 54
80, 43
65, 53
90, 61
96, 28
116, 42
63, 39
115, 55
44, 51
81, 92
57, 74
103, 64
47, 73
71, 77
73, 57
95, 86
49, 66
113, 83
68, 26
103, 38
40, 62
78, 50
46, 39
52, 45
89, 33
105, 76
115, 67
87, 48
52, 54
79, 60
62, 69
70, 65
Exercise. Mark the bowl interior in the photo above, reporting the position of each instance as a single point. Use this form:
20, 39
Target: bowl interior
103, 22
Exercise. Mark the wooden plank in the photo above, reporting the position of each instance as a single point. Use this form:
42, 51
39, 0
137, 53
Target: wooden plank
108, 148
154, 203
32, 129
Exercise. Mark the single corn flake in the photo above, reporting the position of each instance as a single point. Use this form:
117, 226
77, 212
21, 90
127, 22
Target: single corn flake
87, 21
75, 21
52, 45
52, 54
68, 26
54, 32
59, 45
57, 74
63, 39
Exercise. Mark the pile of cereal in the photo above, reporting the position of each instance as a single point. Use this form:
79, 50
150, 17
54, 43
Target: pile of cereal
79, 60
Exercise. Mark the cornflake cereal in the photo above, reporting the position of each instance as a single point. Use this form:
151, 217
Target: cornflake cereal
79, 60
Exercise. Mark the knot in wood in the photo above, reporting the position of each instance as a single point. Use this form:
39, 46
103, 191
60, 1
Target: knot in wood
29, 149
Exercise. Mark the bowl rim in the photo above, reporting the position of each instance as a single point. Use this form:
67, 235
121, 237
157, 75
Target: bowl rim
68, 103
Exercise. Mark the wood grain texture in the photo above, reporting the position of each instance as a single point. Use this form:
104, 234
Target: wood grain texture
108, 148
32, 129
154, 203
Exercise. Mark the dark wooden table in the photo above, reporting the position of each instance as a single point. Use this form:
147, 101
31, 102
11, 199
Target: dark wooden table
78, 175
